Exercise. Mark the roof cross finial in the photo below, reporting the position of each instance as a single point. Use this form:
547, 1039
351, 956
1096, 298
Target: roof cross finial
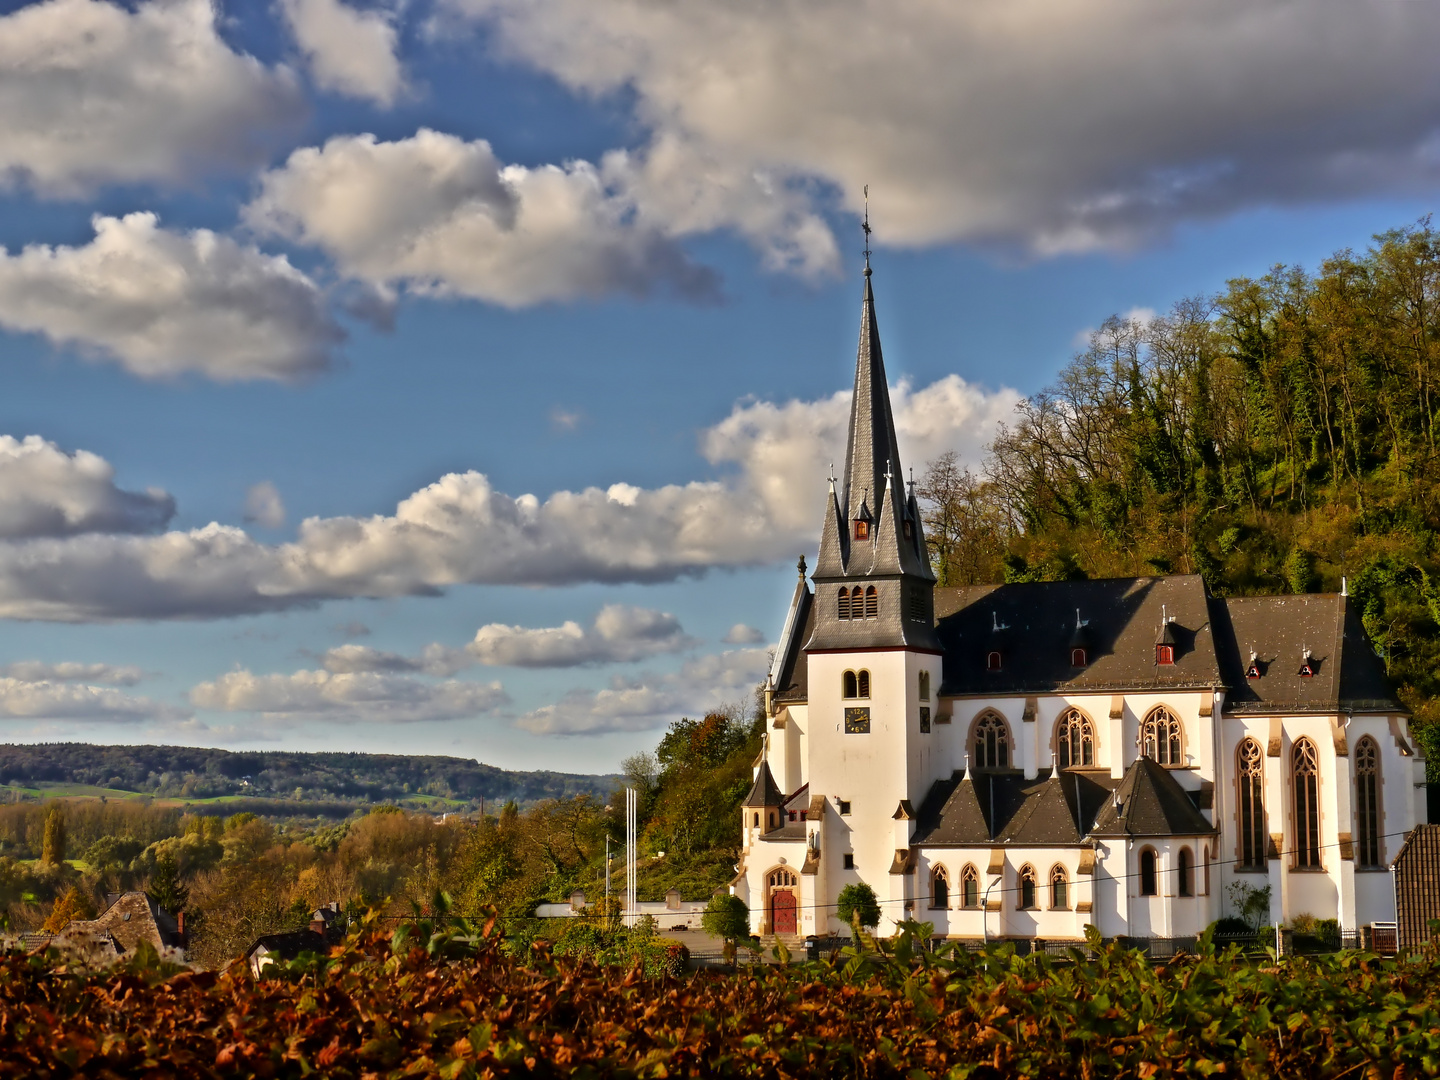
912, 481
866, 226
832, 478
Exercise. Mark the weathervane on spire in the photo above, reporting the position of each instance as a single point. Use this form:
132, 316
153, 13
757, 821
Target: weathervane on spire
866, 226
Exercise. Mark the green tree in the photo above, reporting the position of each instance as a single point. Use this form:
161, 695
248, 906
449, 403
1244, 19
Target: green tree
53, 852
727, 917
166, 888
857, 905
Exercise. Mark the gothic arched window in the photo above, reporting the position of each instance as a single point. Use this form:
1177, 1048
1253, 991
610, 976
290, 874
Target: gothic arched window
1162, 737
1059, 887
1185, 871
850, 685
1027, 886
1250, 776
1367, 801
992, 660
872, 601
1074, 739
842, 609
1305, 780
970, 886
863, 679
992, 742
939, 888
1149, 884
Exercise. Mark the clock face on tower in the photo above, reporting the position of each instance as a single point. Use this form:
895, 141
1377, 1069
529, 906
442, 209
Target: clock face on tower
857, 721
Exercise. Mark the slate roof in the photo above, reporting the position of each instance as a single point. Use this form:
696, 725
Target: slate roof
1348, 677
764, 792
788, 669
289, 945
130, 919
1124, 618
1150, 802
1003, 807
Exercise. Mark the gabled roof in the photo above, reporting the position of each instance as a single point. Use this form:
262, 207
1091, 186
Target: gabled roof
1150, 802
289, 945
1348, 676
130, 919
1003, 807
764, 792
1032, 625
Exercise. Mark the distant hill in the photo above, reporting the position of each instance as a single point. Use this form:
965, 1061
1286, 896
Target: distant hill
189, 773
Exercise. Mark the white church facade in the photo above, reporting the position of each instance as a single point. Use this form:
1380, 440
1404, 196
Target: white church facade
1020, 761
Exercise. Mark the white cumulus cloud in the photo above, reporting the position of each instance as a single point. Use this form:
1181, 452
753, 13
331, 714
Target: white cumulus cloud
46, 492
436, 213
162, 303
619, 633
94, 92
34, 671
740, 634
646, 702
1051, 126
370, 697
46, 699
460, 530
434, 659
264, 506
350, 51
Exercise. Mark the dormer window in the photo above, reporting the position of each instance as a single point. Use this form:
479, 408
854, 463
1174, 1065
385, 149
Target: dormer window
909, 530
1308, 666
862, 529
1078, 658
1164, 654
992, 660
1253, 671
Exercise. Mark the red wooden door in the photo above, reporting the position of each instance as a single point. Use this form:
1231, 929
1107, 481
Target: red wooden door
782, 912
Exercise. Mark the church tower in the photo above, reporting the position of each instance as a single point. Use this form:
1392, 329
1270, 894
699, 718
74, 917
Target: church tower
873, 584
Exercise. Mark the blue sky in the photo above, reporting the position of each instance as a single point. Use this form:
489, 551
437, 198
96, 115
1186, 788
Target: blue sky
300, 301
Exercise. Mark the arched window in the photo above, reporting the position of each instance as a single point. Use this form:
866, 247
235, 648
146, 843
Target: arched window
1059, 887
939, 888
1074, 739
1077, 658
1305, 780
757, 819
1205, 879
992, 742
851, 685
1161, 737
924, 686
1148, 883
970, 886
781, 879
863, 677
1367, 801
1250, 774
992, 660
1185, 872
1164, 654
772, 819
872, 601
1027, 886
862, 529
842, 610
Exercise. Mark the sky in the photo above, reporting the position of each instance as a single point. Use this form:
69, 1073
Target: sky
462, 376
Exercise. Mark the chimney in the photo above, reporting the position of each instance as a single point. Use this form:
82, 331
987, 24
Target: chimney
317, 925
180, 925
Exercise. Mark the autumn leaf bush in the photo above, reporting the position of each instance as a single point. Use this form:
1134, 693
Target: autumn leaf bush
437, 998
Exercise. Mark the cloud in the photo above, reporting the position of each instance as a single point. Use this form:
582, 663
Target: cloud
565, 419
435, 659
46, 492
350, 52
740, 634
647, 702
618, 634
353, 628
1049, 126
460, 530
264, 506
94, 92
45, 699
437, 214
162, 303
34, 671
369, 697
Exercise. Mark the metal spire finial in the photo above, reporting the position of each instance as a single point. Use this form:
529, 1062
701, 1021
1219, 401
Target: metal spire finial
866, 226
832, 478
912, 481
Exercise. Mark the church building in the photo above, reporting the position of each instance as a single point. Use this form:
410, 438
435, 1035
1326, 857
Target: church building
1021, 761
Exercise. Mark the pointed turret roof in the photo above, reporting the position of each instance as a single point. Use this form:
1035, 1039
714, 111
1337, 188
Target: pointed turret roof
764, 792
1150, 802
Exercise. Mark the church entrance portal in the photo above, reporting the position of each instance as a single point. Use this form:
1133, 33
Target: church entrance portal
783, 903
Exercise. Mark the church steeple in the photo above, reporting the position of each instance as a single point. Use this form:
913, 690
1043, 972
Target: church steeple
872, 537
